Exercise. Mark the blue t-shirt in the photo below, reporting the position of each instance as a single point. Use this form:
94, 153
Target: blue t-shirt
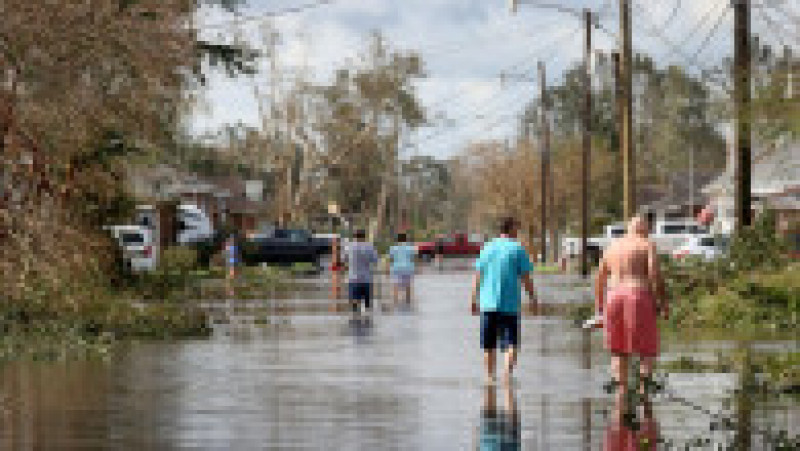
501, 263
402, 258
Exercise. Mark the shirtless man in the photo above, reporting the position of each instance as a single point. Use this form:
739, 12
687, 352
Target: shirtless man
630, 271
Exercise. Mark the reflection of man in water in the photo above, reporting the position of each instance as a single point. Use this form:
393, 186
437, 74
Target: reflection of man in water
625, 432
499, 429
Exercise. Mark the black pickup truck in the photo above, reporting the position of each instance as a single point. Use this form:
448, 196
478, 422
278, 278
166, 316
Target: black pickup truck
284, 246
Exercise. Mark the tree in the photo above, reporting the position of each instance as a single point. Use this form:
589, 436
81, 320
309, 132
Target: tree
361, 116
85, 85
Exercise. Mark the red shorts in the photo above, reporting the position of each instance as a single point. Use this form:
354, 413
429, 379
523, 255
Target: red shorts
630, 321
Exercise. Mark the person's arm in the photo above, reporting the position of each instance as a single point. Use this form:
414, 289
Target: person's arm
656, 281
527, 282
476, 286
524, 269
600, 287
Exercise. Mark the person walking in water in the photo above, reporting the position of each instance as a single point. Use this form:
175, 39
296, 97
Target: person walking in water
337, 267
360, 258
502, 265
629, 270
401, 256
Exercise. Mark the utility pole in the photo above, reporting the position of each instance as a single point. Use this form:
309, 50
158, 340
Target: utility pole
626, 139
545, 158
741, 86
587, 144
618, 105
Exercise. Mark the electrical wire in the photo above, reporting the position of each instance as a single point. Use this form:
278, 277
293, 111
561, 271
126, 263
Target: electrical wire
240, 20
710, 34
773, 24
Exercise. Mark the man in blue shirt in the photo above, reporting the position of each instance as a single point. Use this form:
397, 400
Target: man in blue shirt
402, 257
360, 257
496, 294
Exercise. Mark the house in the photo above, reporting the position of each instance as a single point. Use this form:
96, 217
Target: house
224, 199
681, 197
775, 179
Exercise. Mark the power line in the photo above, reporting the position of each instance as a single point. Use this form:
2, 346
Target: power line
772, 23
710, 34
239, 20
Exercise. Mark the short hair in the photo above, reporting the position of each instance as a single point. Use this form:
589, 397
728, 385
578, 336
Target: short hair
402, 237
359, 234
507, 224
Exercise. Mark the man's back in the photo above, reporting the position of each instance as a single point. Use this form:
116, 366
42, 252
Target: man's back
628, 260
501, 263
360, 258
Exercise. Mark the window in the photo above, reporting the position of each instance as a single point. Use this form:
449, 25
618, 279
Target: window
132, 238
707, 242
674, 229
617, 232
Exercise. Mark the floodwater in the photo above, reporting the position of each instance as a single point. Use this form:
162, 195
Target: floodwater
316, 377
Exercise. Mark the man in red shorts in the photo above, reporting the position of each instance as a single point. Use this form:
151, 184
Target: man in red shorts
630, 271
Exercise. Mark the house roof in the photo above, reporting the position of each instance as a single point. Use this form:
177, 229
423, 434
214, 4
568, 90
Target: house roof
677, 191
775, 168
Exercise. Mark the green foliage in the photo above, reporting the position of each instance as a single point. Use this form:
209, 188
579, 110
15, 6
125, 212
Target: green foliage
172, 278
759, 247
754, 288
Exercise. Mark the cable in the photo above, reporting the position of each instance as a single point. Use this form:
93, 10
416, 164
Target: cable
773, 23
269, 15
710, 34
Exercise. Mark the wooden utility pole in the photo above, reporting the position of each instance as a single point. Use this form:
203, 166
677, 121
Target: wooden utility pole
741, 86
545, 158
587, 144
626, 139
618, 107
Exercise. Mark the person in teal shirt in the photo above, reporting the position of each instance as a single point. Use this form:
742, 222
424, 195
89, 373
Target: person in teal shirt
502, 268
402, 257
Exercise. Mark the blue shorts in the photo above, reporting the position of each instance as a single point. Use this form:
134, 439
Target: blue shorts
499, 327
361, 291
402, 278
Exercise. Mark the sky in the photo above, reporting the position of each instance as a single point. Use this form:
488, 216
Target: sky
466, 45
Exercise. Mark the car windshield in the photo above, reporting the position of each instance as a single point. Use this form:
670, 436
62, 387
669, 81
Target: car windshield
129, 238
674, 229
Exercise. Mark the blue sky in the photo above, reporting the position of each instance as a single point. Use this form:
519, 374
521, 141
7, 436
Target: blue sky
466, 44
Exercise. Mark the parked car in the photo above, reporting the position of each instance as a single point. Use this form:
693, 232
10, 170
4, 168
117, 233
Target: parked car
669, 235
707, 247
138, 246
284, 246
459, 244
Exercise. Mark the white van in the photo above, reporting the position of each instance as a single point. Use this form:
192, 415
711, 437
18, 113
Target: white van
138, 246
193, 224
671, 234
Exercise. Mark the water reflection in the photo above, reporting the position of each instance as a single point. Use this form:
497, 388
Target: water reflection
359, 326
499, 427
631, 428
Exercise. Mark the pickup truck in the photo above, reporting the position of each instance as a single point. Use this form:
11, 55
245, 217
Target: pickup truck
284, 246
458, 244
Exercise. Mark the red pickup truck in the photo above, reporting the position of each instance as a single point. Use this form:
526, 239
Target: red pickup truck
458, 244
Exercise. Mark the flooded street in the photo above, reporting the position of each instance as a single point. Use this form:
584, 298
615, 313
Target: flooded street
410, 379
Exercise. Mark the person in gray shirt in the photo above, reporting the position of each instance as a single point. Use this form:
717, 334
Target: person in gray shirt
360, 258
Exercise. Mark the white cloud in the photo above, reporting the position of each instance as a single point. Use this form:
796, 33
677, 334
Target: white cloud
465, 44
